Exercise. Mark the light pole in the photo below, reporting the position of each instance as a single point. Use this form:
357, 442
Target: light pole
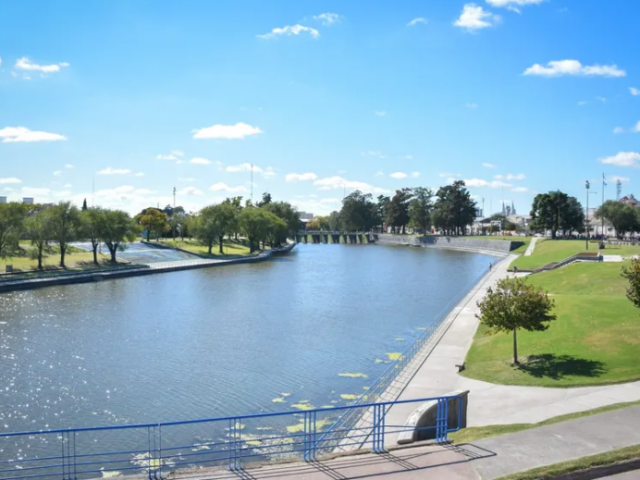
586, 216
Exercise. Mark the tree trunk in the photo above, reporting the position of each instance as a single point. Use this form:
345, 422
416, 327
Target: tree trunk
148, 235
95, 254
113, 251
221, 240
515, 348
63, 251
40, 258
210, 247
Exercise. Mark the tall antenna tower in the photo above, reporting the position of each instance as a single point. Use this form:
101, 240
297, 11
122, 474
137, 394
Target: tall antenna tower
252, 183
174, 198
618, 189
93, 192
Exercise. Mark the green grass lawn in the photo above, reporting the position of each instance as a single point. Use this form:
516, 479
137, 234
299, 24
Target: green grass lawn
75, 259
595, 339
232, 248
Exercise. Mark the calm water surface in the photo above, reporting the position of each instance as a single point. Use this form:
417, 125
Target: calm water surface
219, 341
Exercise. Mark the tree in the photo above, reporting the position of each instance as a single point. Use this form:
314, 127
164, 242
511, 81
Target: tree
334, 221
65, 226
623, 217
12, 217
92, 220
37, 228
382, 207
116, 229
454, 209
289, 215
225, 218
359, 212
313, 225
397, 211
206, 228
323, 222
84, 205
516, 304
632, 273
237, 205
152, 220
420, 209
256, 224
266, 199
554, 211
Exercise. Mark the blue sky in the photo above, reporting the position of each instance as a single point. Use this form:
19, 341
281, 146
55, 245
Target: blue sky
322, 97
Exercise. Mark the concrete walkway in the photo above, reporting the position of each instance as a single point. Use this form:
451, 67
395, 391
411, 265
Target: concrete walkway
486, 459
531, 247
492, 404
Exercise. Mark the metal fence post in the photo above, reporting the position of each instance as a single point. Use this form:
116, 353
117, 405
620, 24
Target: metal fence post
234, 435
309, 440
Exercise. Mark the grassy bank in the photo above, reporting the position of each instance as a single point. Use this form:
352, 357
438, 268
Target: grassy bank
231, 248
472, 434
595, 339
584, 463
75, 259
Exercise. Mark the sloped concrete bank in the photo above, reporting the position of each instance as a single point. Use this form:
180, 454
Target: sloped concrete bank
478, 245
165, 267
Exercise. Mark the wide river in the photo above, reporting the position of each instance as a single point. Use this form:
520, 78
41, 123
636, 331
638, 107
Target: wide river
219, 341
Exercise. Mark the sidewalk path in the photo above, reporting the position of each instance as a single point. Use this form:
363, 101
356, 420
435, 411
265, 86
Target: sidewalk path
492, 404
531, 247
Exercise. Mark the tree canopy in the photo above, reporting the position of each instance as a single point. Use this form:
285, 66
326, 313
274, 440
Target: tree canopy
554, 211
623, 217
420, 209
454, 209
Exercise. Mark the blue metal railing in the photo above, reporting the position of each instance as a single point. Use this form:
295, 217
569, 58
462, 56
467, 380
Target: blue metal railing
159, 448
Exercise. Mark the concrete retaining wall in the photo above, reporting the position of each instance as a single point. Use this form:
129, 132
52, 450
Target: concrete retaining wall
501, 247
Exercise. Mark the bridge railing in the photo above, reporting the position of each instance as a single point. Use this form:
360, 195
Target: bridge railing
157, 449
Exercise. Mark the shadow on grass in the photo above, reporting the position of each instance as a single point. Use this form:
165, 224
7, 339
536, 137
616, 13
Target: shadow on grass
557, 367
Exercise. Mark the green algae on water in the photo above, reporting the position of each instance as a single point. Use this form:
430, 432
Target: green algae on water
354, 375
279, 400
399, 339
394, 356
349, 396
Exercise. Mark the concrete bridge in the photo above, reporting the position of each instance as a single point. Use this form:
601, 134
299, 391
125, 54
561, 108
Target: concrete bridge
336, 237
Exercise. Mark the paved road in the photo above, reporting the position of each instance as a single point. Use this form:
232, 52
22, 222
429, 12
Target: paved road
624, 476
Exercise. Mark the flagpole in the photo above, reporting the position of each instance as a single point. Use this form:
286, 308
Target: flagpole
603, 185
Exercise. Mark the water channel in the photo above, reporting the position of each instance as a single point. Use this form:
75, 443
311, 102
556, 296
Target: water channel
219, 341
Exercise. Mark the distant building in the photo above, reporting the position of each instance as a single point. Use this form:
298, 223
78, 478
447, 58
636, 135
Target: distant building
3, 199
27, 200
306, 216
630, 200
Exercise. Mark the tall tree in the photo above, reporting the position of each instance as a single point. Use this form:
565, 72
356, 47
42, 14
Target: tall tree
37, 228
382, 207
334, 221
84, 205
397, 211
623, 217
266, 199
206, 227
632, 273
454, 209
554, 211
289, 215
65, 226
358, 212
257, 224
152, 220
12, 217
237, 205
420, 209
516, 304
92, 220
225, 218
116, 230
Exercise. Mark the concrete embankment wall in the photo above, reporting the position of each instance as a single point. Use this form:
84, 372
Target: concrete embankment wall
482, 245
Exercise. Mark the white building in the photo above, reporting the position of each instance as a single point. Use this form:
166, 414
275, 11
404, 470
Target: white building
27, 200
3, 199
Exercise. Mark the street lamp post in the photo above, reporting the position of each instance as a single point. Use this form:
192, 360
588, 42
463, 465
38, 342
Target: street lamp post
586, 217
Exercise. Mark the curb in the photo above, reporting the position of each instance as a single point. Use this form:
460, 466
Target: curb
601, 471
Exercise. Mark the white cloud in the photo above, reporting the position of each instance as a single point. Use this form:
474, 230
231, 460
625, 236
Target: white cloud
139, 174
67, 185
5, 181
174, 155
511, 176
416, 21
398, 175
380, 113
622, 159
327, 19
559, 68
408, 157
618, 130
186, 179
379, 173
474, 17
471, 105
238, 131
476, 182
199, 161
601, 99
69, 166
269, 172
289, 30
342, 171
634, 91
223, 187
636, 129
115, 171
336, 183
513, 4
372, 153
447, 174
415, 174
520, 189
616, 178
22, 134
190, 191
35, 192
25, 64
582, 103
243, 167
489, 165
143, 191
57, 173
300, 177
